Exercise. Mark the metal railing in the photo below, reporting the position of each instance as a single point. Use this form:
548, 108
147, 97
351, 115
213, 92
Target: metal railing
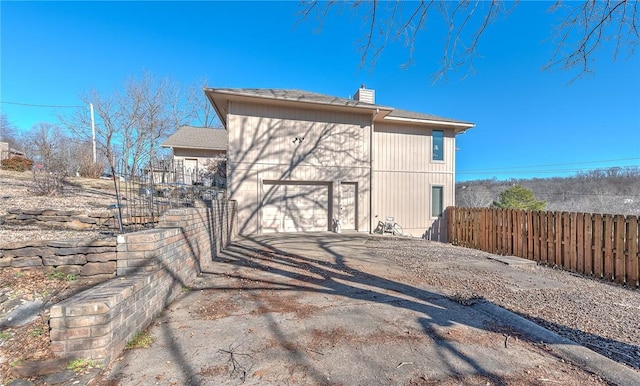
143, 195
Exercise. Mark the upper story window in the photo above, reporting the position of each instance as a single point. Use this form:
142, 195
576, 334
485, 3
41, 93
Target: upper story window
437, 145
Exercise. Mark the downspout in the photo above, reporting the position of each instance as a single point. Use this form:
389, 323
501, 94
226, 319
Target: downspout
371, 143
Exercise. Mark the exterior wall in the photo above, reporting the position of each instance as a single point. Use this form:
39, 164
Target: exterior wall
404, 174
263, 147
153, 268
201, 154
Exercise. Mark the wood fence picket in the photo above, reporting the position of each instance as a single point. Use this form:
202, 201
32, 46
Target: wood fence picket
602, 246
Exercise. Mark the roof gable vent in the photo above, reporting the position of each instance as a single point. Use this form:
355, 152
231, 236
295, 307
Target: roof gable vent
365, 95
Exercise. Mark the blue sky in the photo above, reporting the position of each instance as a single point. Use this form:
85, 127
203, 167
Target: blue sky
530, 123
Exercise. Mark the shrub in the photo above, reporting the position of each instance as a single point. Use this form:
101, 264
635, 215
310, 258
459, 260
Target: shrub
17, 163
47, 184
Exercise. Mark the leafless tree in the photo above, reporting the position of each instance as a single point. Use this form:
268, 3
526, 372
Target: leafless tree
132, 121
586, 26
201, 109
474, 196
8, 132
46, 143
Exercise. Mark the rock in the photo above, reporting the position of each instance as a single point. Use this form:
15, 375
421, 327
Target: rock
21, 262
59, 377
91, 269
78, 225
29, 252
101, 257
36, 368
85, 219
23, 314
20, 382
69, 269
64, 260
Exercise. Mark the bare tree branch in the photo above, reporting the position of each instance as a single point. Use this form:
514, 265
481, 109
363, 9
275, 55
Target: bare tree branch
585, 28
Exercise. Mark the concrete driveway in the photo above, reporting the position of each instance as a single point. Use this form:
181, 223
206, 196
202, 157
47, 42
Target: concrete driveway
323, 309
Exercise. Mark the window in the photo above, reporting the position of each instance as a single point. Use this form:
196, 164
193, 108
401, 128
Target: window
437, 145
437, 193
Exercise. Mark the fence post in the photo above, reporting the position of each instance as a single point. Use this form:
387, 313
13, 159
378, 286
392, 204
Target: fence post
608, 247
598, 266
588, 244
451, 212
620, 263
633, 267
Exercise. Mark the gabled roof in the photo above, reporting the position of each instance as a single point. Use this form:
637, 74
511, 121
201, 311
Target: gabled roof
198, 138
219, 96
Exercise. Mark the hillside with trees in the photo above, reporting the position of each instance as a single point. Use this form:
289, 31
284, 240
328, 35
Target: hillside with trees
608, 191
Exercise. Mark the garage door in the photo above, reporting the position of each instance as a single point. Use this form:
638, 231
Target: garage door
295, 207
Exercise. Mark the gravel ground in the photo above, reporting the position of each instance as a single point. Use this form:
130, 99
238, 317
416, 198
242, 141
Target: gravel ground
601, 316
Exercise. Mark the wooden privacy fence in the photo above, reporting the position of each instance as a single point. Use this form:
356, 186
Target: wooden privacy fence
603, 246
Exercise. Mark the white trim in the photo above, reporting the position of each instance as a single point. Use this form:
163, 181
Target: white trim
429, 121
431, 200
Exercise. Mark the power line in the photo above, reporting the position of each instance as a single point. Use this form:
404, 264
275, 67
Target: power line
36, 105
523, 169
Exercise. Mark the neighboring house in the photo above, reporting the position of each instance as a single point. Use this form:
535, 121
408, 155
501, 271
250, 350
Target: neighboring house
194, 147
8, 152
299, 160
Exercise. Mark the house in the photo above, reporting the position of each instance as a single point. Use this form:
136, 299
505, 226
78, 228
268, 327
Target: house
298, 160
7, 151
194, 147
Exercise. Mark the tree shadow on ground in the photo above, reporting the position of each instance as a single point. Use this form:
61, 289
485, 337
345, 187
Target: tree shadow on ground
295, 272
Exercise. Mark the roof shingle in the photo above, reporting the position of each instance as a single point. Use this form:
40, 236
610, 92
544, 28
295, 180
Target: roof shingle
198, 138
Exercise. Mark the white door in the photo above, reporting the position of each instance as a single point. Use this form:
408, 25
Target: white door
295, 207
190, 170
348, 205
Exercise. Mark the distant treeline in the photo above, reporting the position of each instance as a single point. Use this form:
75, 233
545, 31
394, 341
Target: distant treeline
613, 190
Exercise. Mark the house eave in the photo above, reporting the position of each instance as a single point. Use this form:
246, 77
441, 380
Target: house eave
220, 97
458, 126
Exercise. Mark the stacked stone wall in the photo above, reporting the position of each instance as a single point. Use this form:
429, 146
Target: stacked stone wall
61, 219
91, 258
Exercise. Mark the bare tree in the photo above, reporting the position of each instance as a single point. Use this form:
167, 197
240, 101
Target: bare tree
8, 132
201, 109
131, 121
586, 26
46, 143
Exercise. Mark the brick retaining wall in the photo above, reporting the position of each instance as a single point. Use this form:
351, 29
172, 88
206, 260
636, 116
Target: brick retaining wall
153, 268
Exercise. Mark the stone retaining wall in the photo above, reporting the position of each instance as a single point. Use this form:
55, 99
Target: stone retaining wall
91, 258
153, 268
61, 219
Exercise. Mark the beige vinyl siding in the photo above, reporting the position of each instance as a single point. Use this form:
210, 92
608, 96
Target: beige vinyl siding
262, 148
404, 175
408, 148
407, 197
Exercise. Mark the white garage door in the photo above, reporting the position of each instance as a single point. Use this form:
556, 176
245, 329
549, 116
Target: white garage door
295, 207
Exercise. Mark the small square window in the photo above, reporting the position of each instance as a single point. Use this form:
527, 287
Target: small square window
437, 145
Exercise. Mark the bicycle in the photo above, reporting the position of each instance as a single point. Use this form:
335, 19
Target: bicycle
389, 226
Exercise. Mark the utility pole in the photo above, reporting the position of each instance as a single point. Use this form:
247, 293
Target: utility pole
93, 132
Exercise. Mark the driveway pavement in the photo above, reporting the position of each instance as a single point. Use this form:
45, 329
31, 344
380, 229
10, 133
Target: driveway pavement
323, 309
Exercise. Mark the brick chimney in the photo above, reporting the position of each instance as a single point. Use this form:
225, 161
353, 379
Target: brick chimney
365, 95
